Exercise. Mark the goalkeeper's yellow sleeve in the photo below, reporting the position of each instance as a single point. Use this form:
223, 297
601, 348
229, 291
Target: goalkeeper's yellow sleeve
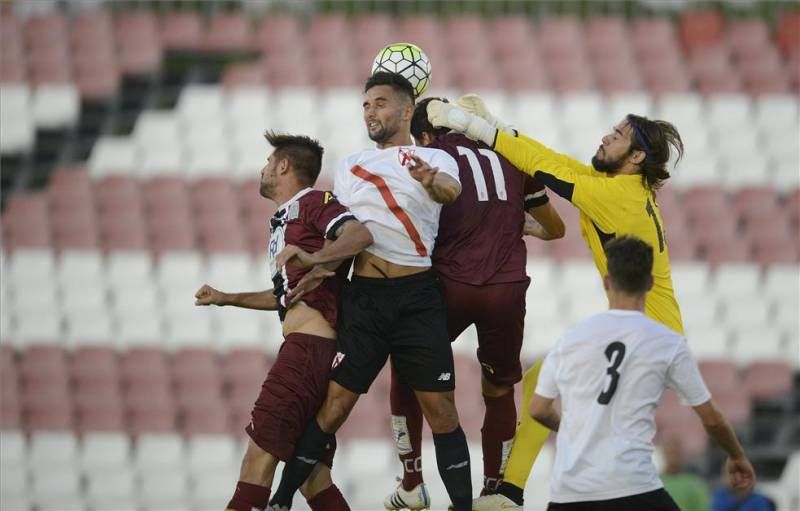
530, 436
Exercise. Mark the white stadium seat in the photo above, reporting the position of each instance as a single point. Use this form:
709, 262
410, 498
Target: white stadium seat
52, 450
155, 451
166, 160
28, 267
247, 102
201, 103
90, 328
211, 487
736, 280
164, 489
210, 452
729, 110
113, 156
103, 452
84, 297
80, 266
157, 128
37, 328
139, 329
110, 488
746, 314
620, 105
55, 484
181, 268
709, 343
774, 112
682, 109
128, 267
56, 106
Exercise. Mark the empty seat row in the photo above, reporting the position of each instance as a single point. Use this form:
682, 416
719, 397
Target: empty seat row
48, 107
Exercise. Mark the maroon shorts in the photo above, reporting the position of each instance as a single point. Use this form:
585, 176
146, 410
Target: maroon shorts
292, 394
498, 312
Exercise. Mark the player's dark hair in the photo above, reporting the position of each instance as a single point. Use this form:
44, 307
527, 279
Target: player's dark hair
304, 154
655, 138
630, 264
397, 82
420, 123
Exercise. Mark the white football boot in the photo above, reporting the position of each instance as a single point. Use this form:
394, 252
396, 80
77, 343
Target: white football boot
415, 499
494, 502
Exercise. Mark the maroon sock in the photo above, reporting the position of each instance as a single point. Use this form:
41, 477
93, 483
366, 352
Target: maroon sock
407, 428
499, 425
329, 499
249, 496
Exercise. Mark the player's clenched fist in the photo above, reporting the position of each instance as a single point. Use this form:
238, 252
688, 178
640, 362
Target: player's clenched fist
207, 295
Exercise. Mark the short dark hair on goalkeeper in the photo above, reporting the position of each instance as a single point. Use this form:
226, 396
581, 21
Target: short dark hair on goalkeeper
630, 264
304, 154
397, 82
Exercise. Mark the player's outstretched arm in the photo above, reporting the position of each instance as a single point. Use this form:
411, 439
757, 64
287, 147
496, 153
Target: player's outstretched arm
351, 238
544, 222
740, 471
543, 411
259, 300
440, 187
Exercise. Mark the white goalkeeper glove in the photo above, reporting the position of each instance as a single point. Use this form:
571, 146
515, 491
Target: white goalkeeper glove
450, 116
474, 104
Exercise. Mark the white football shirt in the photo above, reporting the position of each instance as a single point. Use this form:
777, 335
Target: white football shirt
610, 372
376, 187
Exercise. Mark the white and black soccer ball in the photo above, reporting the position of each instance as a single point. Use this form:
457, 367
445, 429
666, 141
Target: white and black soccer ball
408, 60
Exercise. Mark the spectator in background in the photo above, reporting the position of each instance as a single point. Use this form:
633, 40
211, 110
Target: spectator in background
688, 490
726, 498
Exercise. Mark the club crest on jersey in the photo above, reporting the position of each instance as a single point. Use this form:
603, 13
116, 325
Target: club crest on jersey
337, 359
327, 197
404, 155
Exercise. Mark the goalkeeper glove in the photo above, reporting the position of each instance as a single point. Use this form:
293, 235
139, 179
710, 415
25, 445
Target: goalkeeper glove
474, 104
450, 116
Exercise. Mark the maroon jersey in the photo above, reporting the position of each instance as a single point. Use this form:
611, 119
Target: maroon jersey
480, 234
307, 220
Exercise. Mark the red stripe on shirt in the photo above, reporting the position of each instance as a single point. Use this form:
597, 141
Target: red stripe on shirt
394, 207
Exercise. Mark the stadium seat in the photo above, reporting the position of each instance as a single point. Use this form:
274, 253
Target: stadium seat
105, 452
767, 380
109, 488
759, 344
210, 452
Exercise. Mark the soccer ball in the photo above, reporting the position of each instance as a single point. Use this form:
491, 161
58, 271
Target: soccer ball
408, 60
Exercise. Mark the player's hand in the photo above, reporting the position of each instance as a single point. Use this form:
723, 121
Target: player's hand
295, 256
741, 475
449, 116
207, 295
475, 105
422, 171
533, 228
309, 282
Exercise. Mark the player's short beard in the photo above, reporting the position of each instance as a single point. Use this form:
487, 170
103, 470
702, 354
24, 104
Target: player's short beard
609, 167
382, 135
266, 189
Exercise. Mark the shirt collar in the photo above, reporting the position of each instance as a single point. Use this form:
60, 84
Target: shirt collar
296, 197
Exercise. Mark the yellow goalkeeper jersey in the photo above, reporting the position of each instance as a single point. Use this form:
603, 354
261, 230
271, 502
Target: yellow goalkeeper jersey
609, 206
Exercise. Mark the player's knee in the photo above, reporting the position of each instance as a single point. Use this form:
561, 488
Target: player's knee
490, 389
319, 480
337, 407
257, 464
442, 415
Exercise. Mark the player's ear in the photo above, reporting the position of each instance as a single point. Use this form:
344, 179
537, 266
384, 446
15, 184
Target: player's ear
607, 283
283, 166
637, 157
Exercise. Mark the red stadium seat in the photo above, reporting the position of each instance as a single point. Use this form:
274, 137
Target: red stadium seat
244, 75
776, 251
144, 364
160, 417
734, 404
182, 31
208, 421
228, 32
244, 366
725, 250
700, 28
194, 364
706, 201
767, 380
719, 375
138, 42
328, 32
44, 364
94, 364
748, 36
118, 192
786, 33
278, 33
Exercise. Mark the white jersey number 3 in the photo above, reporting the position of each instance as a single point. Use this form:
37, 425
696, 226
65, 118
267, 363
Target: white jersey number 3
477, 172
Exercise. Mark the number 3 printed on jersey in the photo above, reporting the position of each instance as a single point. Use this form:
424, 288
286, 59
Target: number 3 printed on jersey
615, 352
477, 172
